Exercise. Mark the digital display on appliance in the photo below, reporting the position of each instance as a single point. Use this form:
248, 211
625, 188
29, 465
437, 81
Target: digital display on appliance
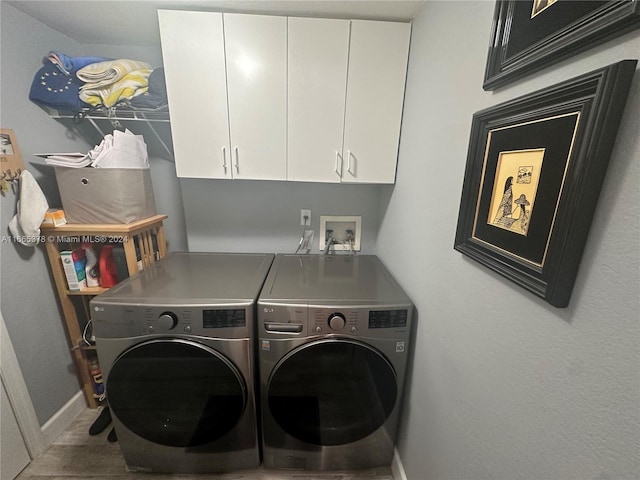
387, 318
223, 318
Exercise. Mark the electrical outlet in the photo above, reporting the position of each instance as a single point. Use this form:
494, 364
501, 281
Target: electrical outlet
345, 230
305, 213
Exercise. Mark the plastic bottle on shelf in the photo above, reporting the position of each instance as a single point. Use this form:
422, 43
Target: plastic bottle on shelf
79, 263
91, 267
107, 267
96, 377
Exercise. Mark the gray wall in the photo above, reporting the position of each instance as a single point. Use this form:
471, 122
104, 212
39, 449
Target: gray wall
264, 216
503, 385
29, 303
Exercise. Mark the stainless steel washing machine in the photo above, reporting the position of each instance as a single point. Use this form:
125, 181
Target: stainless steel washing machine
176, 346
334, 332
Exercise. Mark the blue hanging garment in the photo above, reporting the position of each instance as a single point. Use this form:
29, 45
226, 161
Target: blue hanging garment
52, 88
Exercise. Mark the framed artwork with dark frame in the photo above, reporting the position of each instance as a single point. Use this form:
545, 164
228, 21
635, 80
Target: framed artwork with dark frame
535, 167
529, 35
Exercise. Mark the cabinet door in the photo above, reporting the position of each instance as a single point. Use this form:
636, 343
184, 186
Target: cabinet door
318, 53
256, 54
375, 91
193, 56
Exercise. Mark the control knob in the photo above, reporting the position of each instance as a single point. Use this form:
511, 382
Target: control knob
167, 321
337, 321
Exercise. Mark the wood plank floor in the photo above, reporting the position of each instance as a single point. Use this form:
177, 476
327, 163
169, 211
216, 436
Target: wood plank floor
77, 455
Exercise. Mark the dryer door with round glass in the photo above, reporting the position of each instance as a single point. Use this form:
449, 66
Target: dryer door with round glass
176, 392
332, 392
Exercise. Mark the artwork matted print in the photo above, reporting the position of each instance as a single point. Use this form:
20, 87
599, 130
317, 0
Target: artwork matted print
534, 170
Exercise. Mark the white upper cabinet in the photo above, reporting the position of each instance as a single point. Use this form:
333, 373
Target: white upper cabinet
194, 64
378, 57
346, 84
277, 98
256, 57
317, 85
227, 84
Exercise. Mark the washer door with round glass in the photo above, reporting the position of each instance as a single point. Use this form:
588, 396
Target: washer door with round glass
332, 392
176, 392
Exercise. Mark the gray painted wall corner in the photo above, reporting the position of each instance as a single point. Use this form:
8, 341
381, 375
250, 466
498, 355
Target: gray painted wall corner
503, 385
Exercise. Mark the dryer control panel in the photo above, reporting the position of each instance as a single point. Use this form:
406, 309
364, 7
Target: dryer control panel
117, 321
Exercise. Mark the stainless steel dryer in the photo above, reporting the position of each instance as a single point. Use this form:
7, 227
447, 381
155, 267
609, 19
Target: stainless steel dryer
176, 347
333, 338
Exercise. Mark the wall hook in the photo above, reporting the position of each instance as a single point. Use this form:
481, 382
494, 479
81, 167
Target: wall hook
9, 177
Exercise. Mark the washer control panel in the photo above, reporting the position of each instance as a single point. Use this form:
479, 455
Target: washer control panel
359, 321
300, 321
345, 320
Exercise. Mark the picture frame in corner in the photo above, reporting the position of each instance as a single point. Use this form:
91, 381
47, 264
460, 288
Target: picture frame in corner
529, 35
534, 170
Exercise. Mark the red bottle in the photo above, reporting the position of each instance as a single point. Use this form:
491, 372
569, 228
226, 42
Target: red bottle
107, 267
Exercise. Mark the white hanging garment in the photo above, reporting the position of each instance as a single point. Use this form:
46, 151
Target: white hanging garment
32, 205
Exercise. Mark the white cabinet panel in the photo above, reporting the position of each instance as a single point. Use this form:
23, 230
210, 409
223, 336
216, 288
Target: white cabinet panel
269, 97
375, 90
318, 52
256, 57
193, 56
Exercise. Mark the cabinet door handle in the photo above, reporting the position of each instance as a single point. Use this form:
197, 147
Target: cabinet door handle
338, 169
349, 163
237, 161
224, 159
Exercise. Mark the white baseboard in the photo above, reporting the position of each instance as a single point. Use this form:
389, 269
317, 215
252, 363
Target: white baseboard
61, 420
397, 470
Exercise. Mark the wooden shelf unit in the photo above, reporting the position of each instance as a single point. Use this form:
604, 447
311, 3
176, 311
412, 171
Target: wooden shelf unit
137, 234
